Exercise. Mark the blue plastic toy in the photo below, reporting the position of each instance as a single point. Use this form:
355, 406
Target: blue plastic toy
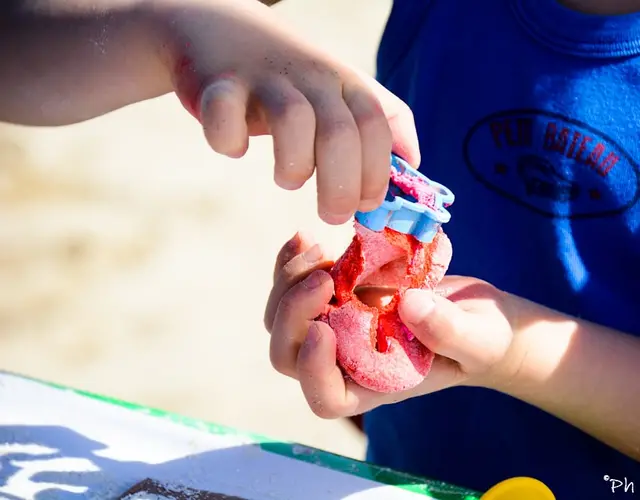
404, 214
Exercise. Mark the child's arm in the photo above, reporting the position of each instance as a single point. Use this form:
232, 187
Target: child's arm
68, 61
232, 64
583, 373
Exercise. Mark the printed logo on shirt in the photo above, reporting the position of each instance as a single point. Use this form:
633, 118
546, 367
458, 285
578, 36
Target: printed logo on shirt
554, 165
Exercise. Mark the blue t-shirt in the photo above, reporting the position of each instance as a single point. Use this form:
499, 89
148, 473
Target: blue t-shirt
530, 113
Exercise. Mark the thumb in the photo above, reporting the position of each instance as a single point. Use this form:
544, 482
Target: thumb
441, 325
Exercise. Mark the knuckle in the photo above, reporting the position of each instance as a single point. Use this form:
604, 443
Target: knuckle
292, 106
324, 75
287, 305
371, 118
297, 108
338, 128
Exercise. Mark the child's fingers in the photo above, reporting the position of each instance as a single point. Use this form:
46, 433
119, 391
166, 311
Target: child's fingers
223, 116
405, 137
298, 268
300, 242
323, 384
400, 119
375, 139
330, 395
338, 158
292, 124
298, 307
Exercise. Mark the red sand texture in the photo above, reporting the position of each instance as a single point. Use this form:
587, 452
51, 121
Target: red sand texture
374, 347
416, 187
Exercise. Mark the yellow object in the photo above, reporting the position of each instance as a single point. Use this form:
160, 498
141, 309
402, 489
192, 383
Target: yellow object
519, 488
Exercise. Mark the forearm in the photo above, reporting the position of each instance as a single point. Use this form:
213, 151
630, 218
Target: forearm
67, 61
583, 373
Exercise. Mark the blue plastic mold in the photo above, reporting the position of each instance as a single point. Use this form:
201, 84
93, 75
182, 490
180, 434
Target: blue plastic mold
404, 214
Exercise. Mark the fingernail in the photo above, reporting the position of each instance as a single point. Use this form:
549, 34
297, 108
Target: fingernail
313, 336
221, 85
305, 236
315, 279
291, 249
417, 303
309, 348
313, 255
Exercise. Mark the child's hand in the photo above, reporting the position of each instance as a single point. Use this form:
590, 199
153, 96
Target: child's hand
464, 323
242, 74
233, 66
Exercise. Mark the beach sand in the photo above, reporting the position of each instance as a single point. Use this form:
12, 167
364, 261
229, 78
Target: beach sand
135, 262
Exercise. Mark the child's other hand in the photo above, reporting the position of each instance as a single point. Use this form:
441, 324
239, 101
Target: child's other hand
241, 73
464, 323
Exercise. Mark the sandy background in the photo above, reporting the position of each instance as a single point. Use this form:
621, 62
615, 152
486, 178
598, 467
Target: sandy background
132, 265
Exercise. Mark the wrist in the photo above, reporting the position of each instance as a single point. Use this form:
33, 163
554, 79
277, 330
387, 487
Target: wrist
541, 338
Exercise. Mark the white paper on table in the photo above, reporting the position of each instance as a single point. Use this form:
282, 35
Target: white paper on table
57, 444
